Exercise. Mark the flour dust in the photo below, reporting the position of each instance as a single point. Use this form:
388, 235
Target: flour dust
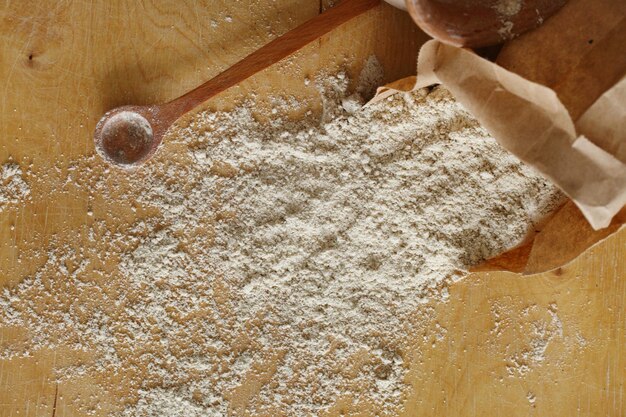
13, 188
287, 256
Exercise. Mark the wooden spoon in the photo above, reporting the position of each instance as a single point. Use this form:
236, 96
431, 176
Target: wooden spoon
478, 23
128, 136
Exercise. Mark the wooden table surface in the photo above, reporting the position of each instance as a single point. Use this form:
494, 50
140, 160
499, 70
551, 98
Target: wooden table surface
550, 344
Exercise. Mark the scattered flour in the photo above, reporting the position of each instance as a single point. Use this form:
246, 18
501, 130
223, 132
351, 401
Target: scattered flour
544, 329
508, 8
13, 188
288, 255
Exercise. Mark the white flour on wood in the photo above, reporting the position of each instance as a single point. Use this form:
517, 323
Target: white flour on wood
286, 255
13, 188
507, 11
508, 8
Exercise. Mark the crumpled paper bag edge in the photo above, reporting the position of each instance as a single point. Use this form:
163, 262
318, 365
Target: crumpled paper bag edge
592, 177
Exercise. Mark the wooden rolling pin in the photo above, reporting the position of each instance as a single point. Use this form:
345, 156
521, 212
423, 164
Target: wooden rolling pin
128, 136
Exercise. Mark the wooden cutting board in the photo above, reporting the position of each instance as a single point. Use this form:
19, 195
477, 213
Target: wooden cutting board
541, 345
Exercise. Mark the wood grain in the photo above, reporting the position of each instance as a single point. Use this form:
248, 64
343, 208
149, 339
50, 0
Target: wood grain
127, 144
269, 54
63, 63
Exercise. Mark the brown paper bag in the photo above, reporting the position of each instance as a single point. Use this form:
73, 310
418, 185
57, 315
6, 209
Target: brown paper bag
580, 54
529, 120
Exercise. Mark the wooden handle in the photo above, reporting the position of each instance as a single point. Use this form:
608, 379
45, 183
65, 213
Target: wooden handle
266, 56
128, 136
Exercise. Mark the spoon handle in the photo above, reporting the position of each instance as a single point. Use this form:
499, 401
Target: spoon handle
269, 54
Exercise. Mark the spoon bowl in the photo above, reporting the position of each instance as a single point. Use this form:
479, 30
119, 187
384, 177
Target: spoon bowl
128, 136
125, 137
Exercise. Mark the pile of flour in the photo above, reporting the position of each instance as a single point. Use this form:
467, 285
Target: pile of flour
283, 259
